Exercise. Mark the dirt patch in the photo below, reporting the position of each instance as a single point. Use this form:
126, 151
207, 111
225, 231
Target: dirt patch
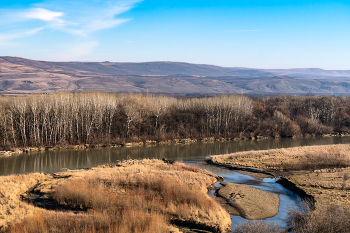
251, 203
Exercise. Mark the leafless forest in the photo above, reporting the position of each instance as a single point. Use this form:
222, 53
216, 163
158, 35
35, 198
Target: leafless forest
105, 118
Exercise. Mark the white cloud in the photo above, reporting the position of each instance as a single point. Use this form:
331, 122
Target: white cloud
86, 17
75, 17
78, 18
43, 14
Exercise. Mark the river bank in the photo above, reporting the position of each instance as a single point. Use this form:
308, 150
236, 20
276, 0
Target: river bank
249, 202
322, 172
149, 195
20, 150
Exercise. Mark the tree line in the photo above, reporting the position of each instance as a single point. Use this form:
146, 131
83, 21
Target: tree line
107, 118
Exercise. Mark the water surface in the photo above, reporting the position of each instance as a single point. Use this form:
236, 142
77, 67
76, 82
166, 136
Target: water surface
53, 161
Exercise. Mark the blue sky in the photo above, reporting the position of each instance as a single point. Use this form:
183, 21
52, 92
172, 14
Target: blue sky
256, 34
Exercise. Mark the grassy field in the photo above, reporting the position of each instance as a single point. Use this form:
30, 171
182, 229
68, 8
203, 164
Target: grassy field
321, 171
145, 196
291, 159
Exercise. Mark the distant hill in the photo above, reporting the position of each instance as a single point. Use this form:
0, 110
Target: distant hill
121, 69
19, 75
314, 73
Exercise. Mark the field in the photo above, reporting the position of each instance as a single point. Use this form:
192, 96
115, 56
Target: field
141, 196
321, 171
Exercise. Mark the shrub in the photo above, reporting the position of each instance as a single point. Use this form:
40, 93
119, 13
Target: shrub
256, 227
326, 218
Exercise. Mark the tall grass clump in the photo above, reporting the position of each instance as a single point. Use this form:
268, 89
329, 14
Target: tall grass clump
130, 221
256, 227
146, 193
324, 219
134, 198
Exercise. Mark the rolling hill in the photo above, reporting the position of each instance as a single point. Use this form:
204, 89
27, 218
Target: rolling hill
24, 76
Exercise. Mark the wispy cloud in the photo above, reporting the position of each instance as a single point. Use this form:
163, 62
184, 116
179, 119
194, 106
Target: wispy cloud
5, 39
84, 17
80, 18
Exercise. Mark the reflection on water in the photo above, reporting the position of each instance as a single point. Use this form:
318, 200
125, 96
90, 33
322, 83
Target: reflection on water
53, 161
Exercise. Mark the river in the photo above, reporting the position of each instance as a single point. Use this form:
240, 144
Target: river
57, 160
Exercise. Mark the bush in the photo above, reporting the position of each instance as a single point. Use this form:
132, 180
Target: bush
326, 218
256, 227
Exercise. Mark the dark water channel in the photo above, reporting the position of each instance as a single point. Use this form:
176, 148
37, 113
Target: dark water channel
54, 161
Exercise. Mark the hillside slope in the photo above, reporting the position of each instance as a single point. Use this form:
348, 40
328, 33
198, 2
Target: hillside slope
19, 75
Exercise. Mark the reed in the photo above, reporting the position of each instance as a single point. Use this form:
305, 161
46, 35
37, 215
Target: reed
147, 196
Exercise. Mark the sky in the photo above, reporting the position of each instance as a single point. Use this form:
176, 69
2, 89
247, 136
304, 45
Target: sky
251, 33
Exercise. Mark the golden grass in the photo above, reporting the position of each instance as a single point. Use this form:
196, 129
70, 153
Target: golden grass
321, 171
325, 185
291, 159
326, 218
146, 196
11, 187
256, 227
130, 221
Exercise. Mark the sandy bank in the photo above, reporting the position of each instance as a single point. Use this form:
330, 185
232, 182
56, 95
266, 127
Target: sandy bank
251, 203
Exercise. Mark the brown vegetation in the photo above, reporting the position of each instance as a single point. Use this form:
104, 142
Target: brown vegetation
321, 171
147, 196
326, 218
11, 187
256, 227
103, 118
291, 159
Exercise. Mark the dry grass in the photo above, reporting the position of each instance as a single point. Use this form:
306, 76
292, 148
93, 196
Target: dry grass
256, 227
142, 197
327, 219
130, 221
321, 171
291, 159
11, 187
325, 185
